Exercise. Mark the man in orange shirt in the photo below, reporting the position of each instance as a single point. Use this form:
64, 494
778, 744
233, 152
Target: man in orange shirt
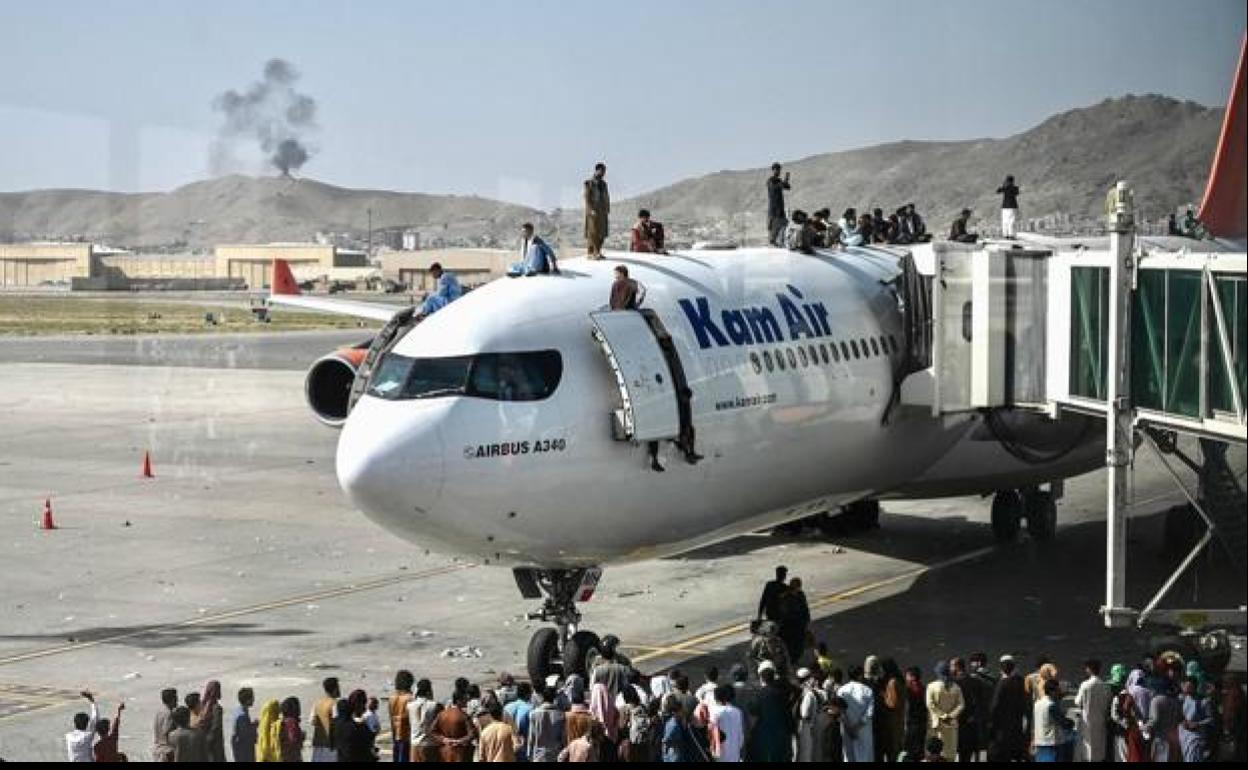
498, 738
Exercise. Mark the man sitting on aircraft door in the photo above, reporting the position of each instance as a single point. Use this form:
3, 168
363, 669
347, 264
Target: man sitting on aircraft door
446, 290
626, 295
623, 290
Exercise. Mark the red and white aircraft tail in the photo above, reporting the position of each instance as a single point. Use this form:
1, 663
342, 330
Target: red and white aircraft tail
1224, 209
285, 291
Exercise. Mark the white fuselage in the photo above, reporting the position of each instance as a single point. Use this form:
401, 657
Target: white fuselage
544, 482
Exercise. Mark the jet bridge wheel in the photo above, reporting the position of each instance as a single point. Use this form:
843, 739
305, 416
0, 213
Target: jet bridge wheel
1007, 515
1041, 515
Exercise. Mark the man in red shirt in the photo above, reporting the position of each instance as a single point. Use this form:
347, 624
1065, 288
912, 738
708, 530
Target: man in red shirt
647, 235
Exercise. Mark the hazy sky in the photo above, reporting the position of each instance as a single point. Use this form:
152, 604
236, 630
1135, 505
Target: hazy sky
517, 99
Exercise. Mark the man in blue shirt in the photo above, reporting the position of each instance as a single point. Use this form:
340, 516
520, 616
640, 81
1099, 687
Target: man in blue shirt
244, 739
536, 256
517, 715
446, 291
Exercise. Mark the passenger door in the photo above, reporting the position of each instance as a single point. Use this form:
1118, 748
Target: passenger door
648, 399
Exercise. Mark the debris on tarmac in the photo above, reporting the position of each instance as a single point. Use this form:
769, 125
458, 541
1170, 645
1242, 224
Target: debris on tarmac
462, 652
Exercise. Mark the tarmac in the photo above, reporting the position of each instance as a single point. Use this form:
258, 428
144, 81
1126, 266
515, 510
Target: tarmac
241, 561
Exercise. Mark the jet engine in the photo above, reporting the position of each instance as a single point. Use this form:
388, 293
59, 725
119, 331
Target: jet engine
327, 386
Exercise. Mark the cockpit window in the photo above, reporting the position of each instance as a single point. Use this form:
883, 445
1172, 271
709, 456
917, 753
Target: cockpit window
529, 376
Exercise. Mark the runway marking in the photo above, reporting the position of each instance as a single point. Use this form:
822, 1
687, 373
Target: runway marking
690, 646
19, 700
210, 618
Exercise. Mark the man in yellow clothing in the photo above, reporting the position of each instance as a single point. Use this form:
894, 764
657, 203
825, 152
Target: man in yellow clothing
944, 706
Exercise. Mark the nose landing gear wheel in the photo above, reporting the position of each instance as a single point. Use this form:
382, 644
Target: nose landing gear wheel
543, 657
581, 653
563, 649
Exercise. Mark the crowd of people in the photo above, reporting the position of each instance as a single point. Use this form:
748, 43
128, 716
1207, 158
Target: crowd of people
788, 700
803, 232
799, 232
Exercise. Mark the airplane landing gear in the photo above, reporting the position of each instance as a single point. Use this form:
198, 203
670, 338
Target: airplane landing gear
565, 649
1011, 506
1007, 515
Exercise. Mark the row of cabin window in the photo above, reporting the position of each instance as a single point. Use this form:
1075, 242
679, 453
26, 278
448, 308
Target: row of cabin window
815, 354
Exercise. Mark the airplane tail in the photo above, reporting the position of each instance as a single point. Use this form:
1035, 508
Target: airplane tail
1224, 210
283, 280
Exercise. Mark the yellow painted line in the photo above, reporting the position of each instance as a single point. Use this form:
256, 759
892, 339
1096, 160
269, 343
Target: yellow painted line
34, 710
210, 618
689, 646
649, 648
34, 700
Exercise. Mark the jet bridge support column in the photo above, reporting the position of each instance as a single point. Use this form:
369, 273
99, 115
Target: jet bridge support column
1119, 430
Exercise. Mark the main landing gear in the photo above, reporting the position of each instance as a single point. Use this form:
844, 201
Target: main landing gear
565, 649
1010, 507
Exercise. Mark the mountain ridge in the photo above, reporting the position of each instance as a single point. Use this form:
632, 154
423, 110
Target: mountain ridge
1063, 164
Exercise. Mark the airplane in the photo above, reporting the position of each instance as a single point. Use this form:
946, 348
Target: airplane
516, 425
512, 426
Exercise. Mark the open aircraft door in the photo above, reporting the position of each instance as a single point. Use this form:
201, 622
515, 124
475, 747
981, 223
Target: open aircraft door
648, 391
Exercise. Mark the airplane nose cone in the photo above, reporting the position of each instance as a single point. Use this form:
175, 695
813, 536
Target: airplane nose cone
390, 462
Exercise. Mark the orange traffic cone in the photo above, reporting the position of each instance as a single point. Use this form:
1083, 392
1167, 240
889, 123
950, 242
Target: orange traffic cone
48, 522
147, 466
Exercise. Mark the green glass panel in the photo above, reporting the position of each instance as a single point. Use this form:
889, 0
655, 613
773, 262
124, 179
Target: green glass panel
1231, 291
1183, 349
1089, 329
1148, 344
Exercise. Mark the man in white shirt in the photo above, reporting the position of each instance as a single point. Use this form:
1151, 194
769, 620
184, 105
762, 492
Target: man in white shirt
706, 693
730, 722
1094, 699
857, 723
809, 705
81, 739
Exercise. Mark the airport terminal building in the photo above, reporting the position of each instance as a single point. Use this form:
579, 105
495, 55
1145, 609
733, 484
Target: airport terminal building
93, 267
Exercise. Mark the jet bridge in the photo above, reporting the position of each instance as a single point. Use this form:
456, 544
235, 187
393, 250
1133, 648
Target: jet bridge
1149, 334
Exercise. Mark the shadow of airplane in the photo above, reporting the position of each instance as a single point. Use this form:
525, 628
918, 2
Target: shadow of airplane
1026, 599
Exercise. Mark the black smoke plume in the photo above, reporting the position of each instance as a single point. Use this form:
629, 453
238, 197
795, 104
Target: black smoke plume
272, 113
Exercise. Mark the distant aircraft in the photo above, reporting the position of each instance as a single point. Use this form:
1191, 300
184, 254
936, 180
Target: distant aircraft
512, 427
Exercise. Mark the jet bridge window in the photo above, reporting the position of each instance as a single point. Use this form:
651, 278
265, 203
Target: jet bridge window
530, 376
